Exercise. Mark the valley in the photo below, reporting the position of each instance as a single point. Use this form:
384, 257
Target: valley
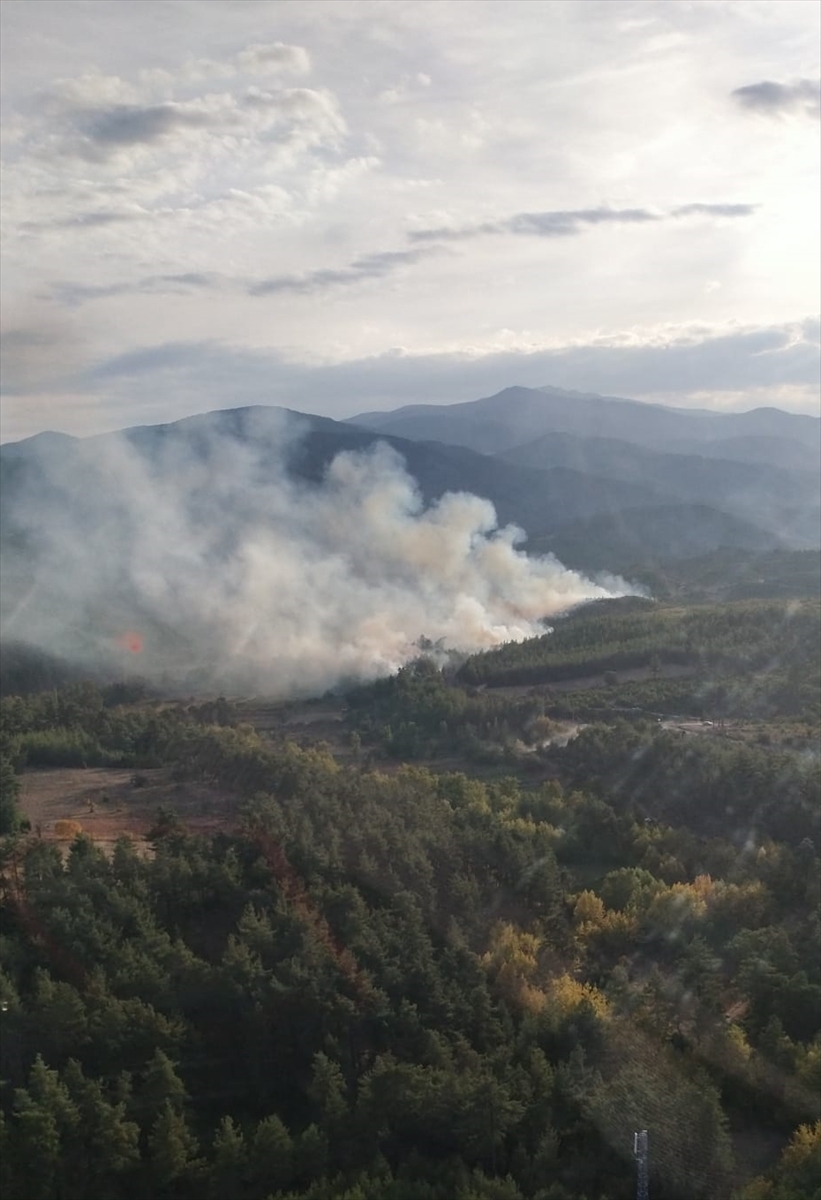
446, 928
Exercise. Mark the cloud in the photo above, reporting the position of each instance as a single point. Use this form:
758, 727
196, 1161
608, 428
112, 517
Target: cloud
776, 99
714, 210
101, 217
38, 348
103, 132
257, 59
74, 294
754, 366
91, 90
93, 219
99, 117
537, 224
377, 265
127, 125
408, 88
261, 58
571, 222
369, 266
290, 159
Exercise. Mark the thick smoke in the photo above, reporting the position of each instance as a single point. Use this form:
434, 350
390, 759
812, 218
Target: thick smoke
236, 575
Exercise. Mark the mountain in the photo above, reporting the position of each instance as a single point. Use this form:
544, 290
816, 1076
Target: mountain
159, 528
305, 446
789, 453
609, 541
518, 415
598, 502
545, 485
249, 527
787, 503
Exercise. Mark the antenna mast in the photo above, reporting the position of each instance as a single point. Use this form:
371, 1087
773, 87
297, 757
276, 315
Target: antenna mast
640, 1153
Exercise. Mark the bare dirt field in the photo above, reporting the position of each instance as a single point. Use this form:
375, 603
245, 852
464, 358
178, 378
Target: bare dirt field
106, 804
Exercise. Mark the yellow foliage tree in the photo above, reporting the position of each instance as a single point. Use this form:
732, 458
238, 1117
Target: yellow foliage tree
588, 910
804, 1150
798, 1172
566, 994
511, 959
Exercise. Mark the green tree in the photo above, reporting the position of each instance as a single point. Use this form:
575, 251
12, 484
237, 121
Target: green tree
172, 1148
310, 1155
327, 1090
161, 1086
46, 1121
229, 1161
106, 1145
9, 795
271, 1159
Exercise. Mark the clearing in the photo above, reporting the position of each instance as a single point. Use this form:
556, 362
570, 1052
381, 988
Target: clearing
109, 802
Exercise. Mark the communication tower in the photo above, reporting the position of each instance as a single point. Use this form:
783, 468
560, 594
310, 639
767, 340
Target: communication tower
640, 1153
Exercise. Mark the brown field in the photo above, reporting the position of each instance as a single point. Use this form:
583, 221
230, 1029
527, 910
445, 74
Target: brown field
105, 803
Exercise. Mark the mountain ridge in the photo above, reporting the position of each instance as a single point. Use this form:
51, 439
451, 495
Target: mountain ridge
589, 491
499, 422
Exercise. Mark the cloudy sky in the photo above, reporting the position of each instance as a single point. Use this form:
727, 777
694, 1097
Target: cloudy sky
353, 205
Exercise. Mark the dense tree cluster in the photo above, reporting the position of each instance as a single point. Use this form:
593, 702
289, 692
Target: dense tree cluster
416, 713
84, 725
763, 655
709, 785
386, 981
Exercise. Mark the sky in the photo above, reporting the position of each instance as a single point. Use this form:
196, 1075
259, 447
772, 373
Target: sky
346, 206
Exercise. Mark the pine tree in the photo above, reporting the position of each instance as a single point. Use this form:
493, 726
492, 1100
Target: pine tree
310, 1155
230, 1161
46, 1119
271, 1156
161, 1085
9, 795
172, 1147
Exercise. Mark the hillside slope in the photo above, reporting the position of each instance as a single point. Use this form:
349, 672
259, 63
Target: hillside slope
784, 502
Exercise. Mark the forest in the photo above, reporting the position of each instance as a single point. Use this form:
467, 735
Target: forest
461, 950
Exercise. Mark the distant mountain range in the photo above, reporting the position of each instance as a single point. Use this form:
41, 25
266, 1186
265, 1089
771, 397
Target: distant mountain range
518, 415
603, 482
761, 468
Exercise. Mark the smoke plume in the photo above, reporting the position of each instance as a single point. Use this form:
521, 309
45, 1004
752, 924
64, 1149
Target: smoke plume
224, 570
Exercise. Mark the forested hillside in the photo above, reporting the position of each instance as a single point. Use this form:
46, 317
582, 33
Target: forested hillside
772, 650
456, 952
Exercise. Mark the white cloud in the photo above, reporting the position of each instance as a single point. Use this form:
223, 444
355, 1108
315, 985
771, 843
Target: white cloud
408, 88
93, 90
274, 57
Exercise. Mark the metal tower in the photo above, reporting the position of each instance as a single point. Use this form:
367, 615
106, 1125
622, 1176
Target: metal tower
640, 1153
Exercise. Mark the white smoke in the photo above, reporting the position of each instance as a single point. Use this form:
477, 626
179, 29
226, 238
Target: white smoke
235, 575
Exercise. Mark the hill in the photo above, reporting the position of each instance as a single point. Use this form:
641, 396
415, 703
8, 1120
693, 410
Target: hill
247, 536
53, 479
517, 415
466, 945
542, 486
